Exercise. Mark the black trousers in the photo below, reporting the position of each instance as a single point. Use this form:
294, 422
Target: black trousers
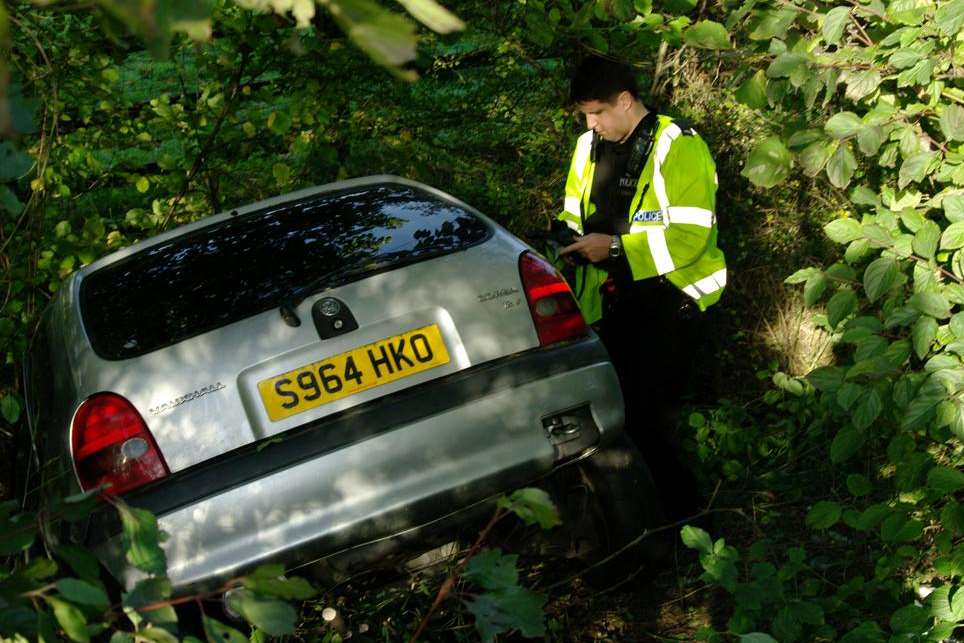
653, 333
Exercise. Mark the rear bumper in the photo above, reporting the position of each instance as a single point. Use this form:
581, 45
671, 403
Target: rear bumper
398, 464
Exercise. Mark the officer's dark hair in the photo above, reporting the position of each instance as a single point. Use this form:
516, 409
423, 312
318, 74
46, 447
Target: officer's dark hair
598, 78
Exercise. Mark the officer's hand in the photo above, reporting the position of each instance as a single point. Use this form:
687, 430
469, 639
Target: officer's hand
594, 247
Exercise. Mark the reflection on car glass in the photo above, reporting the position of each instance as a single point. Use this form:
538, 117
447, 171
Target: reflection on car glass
245, 265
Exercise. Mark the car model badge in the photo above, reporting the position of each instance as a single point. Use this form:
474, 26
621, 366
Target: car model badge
330, 307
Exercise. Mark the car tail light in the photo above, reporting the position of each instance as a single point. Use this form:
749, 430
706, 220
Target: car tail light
554, 309
112, 446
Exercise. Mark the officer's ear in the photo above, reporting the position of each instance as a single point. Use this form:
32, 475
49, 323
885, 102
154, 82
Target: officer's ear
624, 100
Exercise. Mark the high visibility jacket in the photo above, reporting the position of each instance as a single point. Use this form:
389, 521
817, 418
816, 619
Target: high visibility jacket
672, 218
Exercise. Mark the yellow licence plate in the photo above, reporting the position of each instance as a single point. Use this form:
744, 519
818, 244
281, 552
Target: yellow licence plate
354, 371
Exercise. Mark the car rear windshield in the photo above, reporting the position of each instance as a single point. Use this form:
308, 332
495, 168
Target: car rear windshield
248, 264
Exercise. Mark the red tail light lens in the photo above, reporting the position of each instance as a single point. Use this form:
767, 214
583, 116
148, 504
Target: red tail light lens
554, 309
112, 446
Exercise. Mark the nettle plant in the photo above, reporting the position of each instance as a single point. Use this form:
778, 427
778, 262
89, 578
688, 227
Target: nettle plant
866, 98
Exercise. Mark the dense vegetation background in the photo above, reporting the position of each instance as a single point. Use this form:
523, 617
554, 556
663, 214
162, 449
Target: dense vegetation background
832, 123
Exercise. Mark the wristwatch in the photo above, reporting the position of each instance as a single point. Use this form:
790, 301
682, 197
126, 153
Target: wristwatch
615, 247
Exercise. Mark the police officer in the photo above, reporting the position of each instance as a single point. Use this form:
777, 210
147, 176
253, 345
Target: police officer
641, 192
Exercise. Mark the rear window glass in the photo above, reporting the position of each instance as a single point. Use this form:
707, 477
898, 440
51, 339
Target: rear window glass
246, 265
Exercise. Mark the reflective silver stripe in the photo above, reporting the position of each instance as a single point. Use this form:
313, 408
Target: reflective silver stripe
656, 236
690, 215
582, 154
572, 205
642, 227
707, 285
670, 133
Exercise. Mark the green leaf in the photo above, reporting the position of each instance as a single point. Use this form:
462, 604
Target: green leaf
801, 276
877, 236
757, 637
814, 157
843, 125
950, 17
953, 208
834, 23
786, 65
862, 84
217, 631
707, 34
845, 444
843, 230
904, 58
433, 15
533, 506
915, 168
923, 334
70, 618
823, 515
867, 410
80, 560
9, 201
274, 616
83, 593
141, 539
814, 288
841, 166
869, 139
879, 277
945, 479
388, 39
910, 619
773, 24
696, 538
13, 162
10, 408
841, 306
931, 303
859, 485
142, 184
509, 609
752, 92
768, 163
952, 122
147, 592
492, 570
271, 581
953, 237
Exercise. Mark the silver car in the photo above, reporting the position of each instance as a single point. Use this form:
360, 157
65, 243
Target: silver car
323, 376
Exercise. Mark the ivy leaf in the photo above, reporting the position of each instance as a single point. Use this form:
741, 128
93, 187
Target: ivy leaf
915, 168
533, 506
768, 163
845, 444
879, 277
843, 230
840, 306
492, 570
945, 479
696, 538
707, 34
931, 303
823, 515
843, 125
841, 166
141, 539
274, 616
752, 92
926, 240
952, 122
834, 23
950, 17
508, 609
